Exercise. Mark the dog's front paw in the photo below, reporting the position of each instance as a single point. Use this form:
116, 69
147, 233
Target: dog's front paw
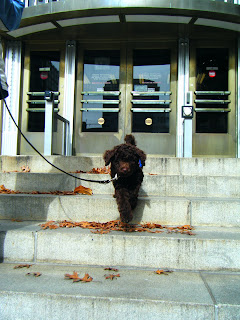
125, 218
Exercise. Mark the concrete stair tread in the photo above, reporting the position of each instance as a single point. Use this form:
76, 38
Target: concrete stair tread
136, 294
202, 232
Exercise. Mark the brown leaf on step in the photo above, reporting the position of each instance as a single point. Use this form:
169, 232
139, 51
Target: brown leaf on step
25, 169
103, 170
5, 191
185, 227
83, 190
22, 266
117, 225
101, 231
16, 220
86, 278
112, 276
166, 272
67, 224
73, 276
189, 233
111, 269
171, 229
35, 274
47, 225
76, 278
53, 226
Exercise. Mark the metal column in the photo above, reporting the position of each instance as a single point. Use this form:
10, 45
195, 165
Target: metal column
69, 89
13, 73
238, 99
184, 127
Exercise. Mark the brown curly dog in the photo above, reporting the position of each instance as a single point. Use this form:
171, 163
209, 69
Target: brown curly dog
127, 162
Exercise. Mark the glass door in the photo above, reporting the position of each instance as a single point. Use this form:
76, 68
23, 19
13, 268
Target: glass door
214, 101
99, 126
153, 100
43, 71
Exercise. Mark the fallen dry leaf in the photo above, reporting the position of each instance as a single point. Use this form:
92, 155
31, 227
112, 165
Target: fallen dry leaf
111, 269
83, 190
25, 169
73, 276
166, 272
35, 274
47, 225
22, 266
60, 193
76, 278
86, 278
185, 227
103, 170
117, 225
112, 276
5, 190
101, 231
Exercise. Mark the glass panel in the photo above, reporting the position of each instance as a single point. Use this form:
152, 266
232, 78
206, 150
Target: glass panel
212, 75
151, 73
211, 122
151, 122
101, 75
44, 75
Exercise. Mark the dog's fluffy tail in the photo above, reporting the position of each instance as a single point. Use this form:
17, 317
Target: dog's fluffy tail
130, 139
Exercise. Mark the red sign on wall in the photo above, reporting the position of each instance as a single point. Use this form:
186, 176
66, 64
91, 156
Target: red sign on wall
44, 75
212, 74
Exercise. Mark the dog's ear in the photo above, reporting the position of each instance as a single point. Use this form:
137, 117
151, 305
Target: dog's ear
108, 156
142, 156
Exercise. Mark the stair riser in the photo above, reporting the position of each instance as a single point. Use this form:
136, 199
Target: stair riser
183, 186
165, 211
156, 251
62, 307
165, 166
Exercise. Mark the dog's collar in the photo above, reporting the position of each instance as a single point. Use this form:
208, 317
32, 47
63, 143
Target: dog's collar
140, 164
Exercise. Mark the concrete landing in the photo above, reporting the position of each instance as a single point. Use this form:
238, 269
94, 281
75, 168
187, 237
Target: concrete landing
136, 294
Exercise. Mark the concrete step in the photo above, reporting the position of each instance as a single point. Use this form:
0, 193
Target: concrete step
185, 186
136, 294
219, 212
210, 249
159, 165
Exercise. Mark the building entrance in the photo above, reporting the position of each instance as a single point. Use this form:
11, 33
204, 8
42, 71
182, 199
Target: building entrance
127, 90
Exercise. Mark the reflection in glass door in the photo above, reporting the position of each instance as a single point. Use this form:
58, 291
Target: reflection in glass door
100, 104
212, 90
151, 91
153, 100
44, 76
100, 100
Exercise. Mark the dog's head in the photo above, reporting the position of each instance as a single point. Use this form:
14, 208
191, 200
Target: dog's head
125, 159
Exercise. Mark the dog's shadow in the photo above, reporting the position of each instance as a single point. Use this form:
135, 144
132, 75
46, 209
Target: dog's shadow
139, 213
